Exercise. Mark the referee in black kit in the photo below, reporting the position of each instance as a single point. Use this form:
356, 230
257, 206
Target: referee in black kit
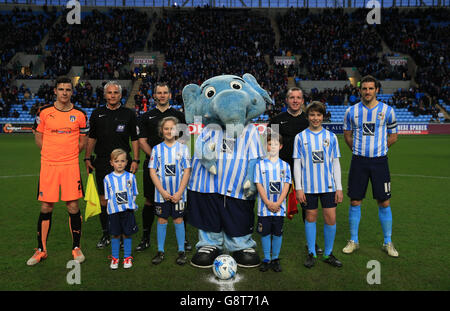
111, 127
148, 138
292, 122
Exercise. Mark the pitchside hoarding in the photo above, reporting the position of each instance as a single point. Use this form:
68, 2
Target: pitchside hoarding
337, 128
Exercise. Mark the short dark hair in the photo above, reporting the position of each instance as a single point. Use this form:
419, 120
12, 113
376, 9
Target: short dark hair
316, 106
370, 78
63, 79
292, 89
161, 84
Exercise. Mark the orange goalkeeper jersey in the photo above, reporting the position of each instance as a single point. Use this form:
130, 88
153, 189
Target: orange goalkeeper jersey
61, 133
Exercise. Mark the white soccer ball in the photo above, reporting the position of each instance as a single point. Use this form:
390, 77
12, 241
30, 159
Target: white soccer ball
224, 267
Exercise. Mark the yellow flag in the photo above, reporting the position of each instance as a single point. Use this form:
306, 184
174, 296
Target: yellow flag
91, 197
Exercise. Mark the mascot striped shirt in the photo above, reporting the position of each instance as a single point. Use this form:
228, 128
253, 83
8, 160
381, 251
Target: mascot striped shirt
234, 156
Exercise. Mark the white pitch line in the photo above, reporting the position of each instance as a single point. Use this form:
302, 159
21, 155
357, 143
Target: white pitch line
421, 176
19, 176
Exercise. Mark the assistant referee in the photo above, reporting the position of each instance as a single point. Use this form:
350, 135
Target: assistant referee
111, 127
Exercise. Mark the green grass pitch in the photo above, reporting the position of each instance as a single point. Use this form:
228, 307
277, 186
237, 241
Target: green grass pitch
420, 169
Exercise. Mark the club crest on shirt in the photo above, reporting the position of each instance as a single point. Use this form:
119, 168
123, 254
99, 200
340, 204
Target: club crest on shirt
326, 142
282, 173
129, 184
380, 116
72, 118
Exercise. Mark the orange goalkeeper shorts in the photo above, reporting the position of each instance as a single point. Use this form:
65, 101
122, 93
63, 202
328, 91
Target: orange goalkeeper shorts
53, 177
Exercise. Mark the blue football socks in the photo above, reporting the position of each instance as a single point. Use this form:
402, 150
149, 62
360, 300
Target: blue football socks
385, 215
310, 232
265, 242
354, 216
115, 247
180, 234
127, 247
161, 230
329, 233
276, 246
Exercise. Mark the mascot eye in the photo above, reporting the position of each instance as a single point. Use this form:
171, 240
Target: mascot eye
210, 92
236, 85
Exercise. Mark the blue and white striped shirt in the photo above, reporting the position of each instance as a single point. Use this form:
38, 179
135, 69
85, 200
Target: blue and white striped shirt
234, 156
201, 179
316, 152
272, 176
370, 128
120, 191
169, 163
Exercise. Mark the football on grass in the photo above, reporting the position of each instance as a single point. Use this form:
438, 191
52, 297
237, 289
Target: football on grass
224, 267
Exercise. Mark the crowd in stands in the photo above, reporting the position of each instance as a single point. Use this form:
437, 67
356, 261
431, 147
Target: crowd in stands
423, 34
101, 44
22, 30
328, 41
194, 50
325, 42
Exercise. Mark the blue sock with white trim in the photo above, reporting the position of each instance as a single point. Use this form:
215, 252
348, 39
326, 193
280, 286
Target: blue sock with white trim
385, 215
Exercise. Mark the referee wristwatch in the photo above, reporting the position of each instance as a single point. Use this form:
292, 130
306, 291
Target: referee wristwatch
85, 159
137, 161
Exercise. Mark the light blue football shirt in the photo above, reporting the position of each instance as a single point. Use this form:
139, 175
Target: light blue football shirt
169, 163
120, 191
272, 176
316, 152
370, 128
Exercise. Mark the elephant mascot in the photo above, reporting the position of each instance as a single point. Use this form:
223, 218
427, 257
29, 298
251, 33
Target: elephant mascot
221, 191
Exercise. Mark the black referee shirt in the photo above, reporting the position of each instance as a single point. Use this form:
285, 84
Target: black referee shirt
112, 129
289, 127
149, 122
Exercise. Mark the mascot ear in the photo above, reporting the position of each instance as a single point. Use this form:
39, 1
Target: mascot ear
252, 81
192, 107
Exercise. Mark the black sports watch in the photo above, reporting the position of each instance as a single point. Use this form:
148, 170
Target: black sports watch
137, 161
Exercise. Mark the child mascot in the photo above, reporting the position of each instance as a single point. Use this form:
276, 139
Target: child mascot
221, 191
